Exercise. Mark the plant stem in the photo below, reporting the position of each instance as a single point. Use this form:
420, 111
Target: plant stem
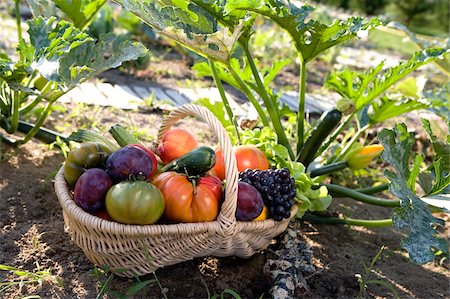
224, 98
271, 109
301, 107
362, 197
37, 125
335, 134
15, 114
250, 96
18, 23
374, 189
31, 105
349, 221
329, 168
349, 144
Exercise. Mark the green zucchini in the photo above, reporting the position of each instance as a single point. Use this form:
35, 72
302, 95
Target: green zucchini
92, 136
196, 162
45, 135
327, 123
122, 136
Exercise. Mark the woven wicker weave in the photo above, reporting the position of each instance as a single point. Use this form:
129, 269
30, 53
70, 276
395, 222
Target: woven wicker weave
141, 249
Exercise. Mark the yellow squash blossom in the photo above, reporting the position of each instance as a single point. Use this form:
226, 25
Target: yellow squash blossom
361, 157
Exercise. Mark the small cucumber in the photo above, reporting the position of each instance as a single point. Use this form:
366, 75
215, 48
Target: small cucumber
196, 162
326, 125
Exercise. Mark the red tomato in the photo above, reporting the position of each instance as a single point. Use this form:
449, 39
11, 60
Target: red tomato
175, 143
219, 168
152, 158
249, 156
186, 202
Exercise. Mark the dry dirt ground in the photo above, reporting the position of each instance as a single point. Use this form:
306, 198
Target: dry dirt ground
32, 235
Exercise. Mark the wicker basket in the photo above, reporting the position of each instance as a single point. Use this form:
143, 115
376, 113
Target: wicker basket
141, 249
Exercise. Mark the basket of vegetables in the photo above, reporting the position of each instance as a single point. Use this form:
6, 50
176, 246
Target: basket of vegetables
124, 213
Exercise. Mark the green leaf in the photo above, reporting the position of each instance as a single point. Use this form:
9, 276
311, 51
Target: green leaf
203, 69
217, 108
139, 286
231, 293
441, 181
387, 108
67, 56
441, 146
411, 87
189, 24
321, 201
91, 59
80, 12
415, 172
413, 214
312, 37
270, 72
423, 43
363, 88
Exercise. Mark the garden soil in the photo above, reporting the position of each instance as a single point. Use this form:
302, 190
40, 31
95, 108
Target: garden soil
32, 237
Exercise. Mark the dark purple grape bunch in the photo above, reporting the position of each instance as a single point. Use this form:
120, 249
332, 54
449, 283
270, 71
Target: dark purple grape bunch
276, 187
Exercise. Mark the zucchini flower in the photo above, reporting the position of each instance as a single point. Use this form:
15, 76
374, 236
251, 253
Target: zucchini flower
361, 157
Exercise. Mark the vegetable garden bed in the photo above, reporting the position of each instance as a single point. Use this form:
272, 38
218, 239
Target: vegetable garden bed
330, 169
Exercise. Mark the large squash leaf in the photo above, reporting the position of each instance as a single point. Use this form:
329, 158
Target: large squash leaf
363, 88
194, 26
310, 37
422, 240
67, 56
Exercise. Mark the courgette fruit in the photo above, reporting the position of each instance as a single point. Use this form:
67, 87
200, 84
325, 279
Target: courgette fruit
92, 136
122, 136
44, 134
196, 162
327, 123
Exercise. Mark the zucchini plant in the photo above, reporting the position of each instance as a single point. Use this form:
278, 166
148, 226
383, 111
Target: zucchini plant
221, 32
57, 57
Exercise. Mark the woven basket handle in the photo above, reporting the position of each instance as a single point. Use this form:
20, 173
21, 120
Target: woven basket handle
226, 216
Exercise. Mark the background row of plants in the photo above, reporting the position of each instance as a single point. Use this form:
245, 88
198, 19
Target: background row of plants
59, 54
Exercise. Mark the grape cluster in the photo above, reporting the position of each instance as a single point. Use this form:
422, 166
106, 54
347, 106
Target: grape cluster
276, 187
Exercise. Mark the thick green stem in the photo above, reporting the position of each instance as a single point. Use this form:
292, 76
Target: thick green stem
301, 108
346, 192
19, 24
224, 98
349, 144
250, 96
348, 221
271, 109
18, 21
334, 136
374, 189
37, 125
329, 169
31, 105
14, 123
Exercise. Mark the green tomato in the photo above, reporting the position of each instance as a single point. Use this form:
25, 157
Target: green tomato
136, 202
87, 155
